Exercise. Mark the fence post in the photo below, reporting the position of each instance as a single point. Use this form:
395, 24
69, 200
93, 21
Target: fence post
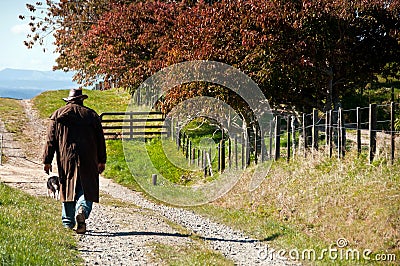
178, 139
277, 137
193, 155
327, 129
208, 155
255, 146
230, 152
342, 133
330, 133
243, 151
204, 163
293, 125
219, 157
236, 153
172, 128
372, 132
154, 179
187, 148
288, 137
183, 142
198, 157
392, 136
247, 148
358, 130
304, 135
130, 126
263, 148
189, 151
339, 137
315, 130
138, 97
222, 155
271, 132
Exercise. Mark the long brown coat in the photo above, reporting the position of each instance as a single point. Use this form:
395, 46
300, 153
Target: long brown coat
75, 134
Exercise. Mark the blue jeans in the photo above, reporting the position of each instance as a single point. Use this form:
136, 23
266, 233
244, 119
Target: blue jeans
70, 208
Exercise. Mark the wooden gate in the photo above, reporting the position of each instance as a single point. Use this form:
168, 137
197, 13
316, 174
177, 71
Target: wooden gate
132, 125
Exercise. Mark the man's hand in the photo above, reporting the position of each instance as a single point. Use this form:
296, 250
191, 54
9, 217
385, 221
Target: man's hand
47, 168
101, 167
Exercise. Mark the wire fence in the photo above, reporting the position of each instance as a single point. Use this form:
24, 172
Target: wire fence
370, 129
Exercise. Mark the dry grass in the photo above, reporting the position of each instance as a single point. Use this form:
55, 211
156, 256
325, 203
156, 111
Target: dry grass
328, 199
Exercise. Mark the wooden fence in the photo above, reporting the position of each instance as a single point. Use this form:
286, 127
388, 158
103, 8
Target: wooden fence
131, 125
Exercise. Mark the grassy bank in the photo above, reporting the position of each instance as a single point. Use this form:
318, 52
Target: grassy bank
31, 232
10, 114
193, 254
311, 203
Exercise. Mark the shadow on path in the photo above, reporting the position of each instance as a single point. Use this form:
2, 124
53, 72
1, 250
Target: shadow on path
135, 233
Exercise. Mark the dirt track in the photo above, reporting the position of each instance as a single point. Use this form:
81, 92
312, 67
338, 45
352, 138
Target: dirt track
124, 233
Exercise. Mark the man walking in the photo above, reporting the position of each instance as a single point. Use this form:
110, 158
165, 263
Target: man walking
75, 134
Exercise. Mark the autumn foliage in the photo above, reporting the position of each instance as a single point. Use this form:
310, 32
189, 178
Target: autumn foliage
302, 54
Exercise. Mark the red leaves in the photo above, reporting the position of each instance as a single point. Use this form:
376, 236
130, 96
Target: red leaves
286, 46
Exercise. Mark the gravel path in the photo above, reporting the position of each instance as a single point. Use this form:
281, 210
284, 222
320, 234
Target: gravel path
125, 226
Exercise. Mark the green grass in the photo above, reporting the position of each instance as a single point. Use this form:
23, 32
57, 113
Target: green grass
10, 114
116, 167
164, 164
31, 232
193, 254
14, 119
202, 128
115, 100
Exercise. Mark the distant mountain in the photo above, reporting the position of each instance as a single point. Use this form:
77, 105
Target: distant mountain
25, 84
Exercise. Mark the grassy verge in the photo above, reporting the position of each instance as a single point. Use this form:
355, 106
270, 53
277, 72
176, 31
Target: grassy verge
31, 232
193, 254
116, 167
312, 203
11, 113
14, 119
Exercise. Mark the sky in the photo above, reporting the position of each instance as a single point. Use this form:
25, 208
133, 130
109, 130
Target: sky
13, 31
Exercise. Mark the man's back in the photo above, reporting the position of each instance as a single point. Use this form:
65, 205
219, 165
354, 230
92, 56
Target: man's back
76, 136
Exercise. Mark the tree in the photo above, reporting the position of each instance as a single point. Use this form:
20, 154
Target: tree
302, 53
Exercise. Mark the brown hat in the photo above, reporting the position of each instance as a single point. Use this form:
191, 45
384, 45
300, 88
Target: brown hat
75, 94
